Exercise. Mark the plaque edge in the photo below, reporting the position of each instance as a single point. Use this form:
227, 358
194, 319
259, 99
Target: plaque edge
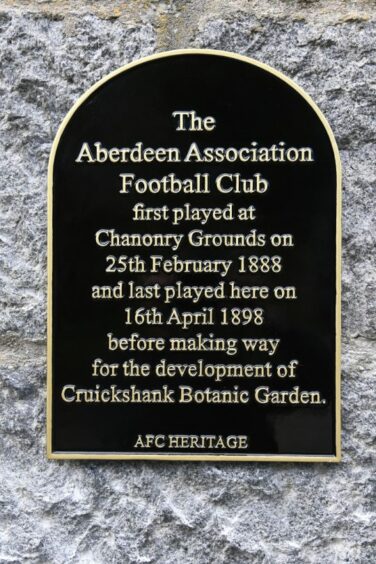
195, 457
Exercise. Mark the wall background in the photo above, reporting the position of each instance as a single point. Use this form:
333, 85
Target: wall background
80, 512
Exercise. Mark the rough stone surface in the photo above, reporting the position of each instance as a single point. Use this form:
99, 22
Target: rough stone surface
92, 513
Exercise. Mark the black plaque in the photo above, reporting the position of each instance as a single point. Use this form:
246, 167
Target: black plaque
194, 286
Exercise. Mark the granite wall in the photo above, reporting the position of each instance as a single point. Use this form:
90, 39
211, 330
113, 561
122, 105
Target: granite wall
94, 512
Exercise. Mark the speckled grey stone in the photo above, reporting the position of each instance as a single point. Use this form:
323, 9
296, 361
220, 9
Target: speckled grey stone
92, 513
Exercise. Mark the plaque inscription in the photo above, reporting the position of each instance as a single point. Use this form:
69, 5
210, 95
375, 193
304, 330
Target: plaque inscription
194, 274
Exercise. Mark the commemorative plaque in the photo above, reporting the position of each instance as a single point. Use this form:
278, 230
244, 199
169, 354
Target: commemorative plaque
194, 284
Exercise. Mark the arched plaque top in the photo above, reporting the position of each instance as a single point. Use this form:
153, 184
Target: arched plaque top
198, 52
194, 214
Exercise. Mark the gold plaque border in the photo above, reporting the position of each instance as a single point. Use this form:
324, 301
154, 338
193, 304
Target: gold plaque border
182, 456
